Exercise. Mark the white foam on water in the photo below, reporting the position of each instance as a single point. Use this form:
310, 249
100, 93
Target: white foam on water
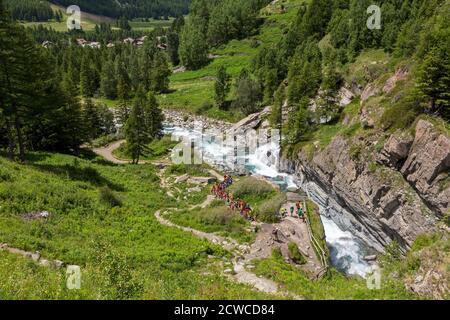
346, 252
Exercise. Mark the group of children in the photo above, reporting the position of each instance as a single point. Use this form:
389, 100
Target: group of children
219, 190
300, 211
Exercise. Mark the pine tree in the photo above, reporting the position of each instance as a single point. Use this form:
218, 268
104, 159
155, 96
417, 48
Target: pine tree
276, 118
86, 78
108, 83
193, 46
328, 108
26, 79
270, 85
154, 116
434, 79
159, 76
248, 94
91, 120
123, 80
222, 87
134, 130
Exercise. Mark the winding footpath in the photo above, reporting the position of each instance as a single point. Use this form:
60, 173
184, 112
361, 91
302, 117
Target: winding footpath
242, 256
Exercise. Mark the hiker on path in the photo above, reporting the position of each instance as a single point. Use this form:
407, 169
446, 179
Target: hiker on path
292, 211
275, 234
301, 214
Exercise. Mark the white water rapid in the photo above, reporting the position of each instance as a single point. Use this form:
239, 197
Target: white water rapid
346, 250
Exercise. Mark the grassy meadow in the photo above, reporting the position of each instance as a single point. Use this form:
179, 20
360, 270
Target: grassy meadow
101, 218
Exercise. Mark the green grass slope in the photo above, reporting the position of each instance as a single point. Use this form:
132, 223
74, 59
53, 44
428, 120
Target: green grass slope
191, 89
123, 251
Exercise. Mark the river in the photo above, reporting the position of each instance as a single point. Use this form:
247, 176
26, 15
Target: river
346, 250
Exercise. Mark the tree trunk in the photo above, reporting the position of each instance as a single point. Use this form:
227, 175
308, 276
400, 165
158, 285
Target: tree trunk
19, 139
11, 144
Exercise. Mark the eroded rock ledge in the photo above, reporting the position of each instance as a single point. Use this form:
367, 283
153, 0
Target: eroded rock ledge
400, 194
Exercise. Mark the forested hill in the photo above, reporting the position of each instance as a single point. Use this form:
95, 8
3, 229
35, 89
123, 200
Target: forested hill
131, 8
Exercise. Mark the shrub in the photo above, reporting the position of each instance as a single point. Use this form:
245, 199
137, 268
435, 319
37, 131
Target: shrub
5, 176
295, 254
276, 253
108, 198
180, 169
392, 254
250, 186
269, 210
424, 240
119, 282
355, 152
207, 105
218, 215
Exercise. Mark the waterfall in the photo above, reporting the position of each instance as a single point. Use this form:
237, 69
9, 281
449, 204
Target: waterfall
346, 250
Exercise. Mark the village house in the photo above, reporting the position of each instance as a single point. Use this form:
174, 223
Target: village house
128, 41
81, 42
47, 44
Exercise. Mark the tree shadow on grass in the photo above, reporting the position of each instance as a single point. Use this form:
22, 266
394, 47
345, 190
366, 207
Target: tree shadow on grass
79, 173
87, 154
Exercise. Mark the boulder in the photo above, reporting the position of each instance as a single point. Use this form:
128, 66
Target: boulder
400, 74
294, 197
428, 164
58, 264
202, 180
345, 97
182, 178
395, 151
370, 258
369, 91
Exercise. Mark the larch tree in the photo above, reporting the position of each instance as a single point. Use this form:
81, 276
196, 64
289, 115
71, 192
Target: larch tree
221, 87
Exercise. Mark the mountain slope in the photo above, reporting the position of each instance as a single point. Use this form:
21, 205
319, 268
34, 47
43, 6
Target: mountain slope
130, 8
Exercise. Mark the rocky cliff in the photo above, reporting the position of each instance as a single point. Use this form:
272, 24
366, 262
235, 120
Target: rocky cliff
381, 191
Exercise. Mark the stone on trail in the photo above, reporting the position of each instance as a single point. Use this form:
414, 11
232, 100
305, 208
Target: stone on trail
370, 258
182, 178
202, 180
58, 264
294, 197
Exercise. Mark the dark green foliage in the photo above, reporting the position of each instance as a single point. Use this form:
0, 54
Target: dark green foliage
231, 19
108, 82
276, 113
193, 45
107, 197
119, 282
215, 23
132, 8
36, 111
221, 87
248, 94
29, 10
295, 254
434, 70
305, 73
144, 124
123, 24
98, 120
301, 123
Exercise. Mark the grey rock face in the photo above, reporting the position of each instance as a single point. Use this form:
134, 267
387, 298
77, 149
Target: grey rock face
427, 166
395, 151
390, 203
